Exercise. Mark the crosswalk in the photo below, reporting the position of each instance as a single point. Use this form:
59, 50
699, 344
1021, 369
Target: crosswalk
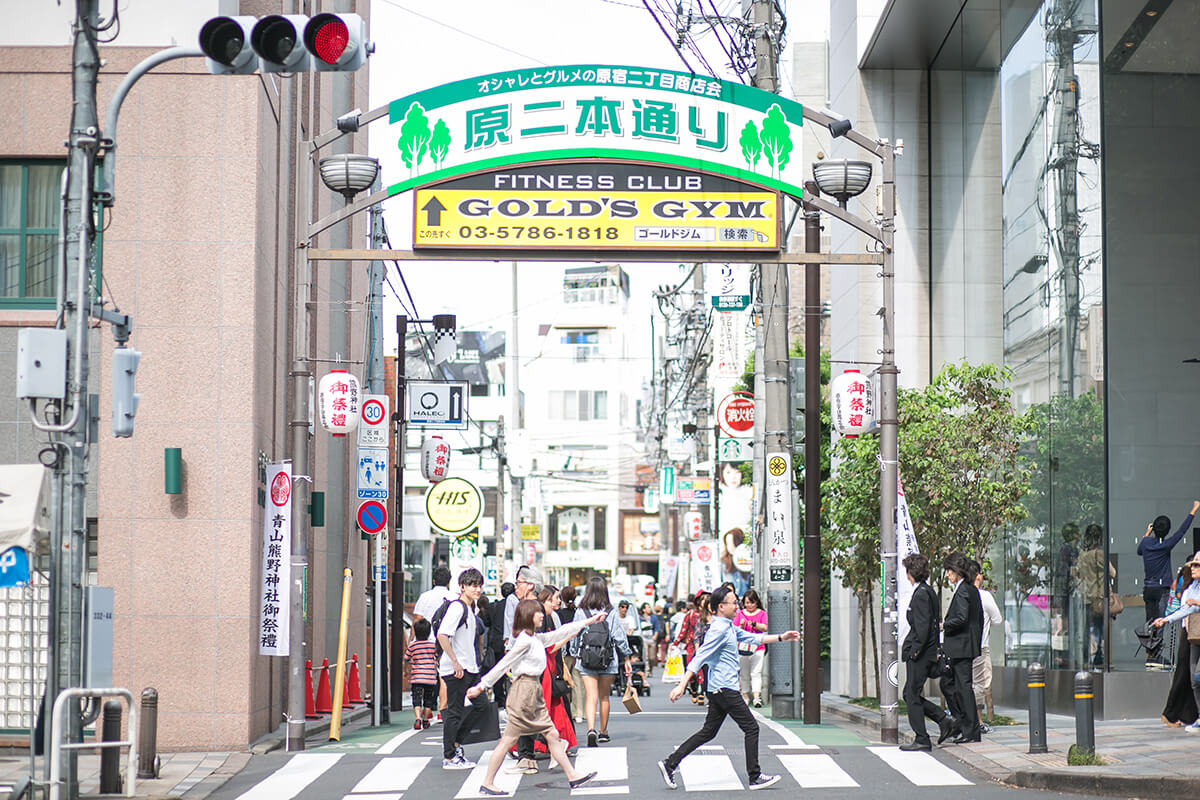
711, 768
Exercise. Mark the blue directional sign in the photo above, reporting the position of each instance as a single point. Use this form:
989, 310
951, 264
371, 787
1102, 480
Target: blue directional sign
14, 567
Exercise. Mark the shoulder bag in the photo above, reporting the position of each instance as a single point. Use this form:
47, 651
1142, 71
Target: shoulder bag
1193, 627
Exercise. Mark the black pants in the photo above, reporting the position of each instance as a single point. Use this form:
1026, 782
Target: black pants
918, 706
726, 702
1181, 702
968, 716
1156, 601
456, 713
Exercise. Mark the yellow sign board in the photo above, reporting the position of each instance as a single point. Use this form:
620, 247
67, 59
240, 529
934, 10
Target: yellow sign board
453, 505
597, 206
531, 533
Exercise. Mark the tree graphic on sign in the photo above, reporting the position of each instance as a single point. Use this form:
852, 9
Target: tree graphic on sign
776, 139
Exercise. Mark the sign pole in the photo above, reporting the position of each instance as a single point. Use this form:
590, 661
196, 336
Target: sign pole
396, 661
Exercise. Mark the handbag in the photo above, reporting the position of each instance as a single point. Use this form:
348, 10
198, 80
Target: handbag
1193, 627
1115, 606
481, 723
630, 699
674, 671
559, 688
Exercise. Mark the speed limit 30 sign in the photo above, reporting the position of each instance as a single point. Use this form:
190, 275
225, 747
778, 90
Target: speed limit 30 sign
373, 422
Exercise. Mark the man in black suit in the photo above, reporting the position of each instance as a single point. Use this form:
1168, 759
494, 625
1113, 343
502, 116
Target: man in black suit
964, 632
920, 653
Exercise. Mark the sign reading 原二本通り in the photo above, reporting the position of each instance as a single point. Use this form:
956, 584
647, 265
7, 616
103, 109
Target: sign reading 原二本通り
596, 111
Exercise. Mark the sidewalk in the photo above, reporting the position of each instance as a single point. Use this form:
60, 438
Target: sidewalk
1142, 757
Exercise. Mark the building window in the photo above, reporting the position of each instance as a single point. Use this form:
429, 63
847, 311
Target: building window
583, 405
29, 216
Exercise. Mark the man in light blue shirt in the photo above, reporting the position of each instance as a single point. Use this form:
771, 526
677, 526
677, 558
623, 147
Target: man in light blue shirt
719, 653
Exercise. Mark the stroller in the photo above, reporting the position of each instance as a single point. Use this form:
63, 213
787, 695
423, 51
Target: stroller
638, 665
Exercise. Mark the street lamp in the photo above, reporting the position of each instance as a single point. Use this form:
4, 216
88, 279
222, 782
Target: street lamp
348, 173
443, 343
842, 178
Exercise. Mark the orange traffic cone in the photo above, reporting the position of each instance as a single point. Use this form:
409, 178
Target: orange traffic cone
324, 698
310, 709
353, 694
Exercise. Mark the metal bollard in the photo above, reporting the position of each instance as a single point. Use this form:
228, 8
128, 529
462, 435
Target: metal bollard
147, 736
1037, 708
110, 757
1085, 714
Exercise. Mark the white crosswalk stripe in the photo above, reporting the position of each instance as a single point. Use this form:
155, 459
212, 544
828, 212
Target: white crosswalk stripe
816, 771
920, 768
505, 780
611, 765
391, 775
290, 779
709, 773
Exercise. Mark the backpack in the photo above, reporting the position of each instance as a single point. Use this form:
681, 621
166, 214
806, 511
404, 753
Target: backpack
436, 622
596, 648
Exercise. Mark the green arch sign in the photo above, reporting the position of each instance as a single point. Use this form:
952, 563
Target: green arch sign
598, 111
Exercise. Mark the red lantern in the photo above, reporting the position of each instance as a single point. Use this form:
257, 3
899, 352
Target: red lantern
435, 459
338, 398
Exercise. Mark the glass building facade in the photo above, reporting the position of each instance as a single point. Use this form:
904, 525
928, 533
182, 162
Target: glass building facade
1062, 242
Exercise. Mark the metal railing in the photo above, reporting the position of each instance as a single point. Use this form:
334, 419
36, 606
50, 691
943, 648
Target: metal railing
57, 745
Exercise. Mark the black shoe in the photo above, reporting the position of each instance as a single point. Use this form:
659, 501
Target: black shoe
668, 775
591, 738
909, 748
581, 781
967, 739
604, 737
947, 727
763, 781
492, 792
985, 728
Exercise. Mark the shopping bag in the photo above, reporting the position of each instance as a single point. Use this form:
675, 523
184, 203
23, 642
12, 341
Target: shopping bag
481, 723
674, 671
632, 704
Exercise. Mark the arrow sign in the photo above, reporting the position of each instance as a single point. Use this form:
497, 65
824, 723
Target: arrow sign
433, 212
456, 395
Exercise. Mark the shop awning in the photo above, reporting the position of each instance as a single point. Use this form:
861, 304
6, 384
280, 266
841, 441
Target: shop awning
24, 506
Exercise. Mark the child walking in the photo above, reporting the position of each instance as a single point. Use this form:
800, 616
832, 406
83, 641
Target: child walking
526, 705
421, 654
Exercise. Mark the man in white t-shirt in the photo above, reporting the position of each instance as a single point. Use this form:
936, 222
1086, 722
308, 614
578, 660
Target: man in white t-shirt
458, 636
981, 667
429, 602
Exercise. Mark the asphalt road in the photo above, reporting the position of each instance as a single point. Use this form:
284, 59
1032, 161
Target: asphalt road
396, 762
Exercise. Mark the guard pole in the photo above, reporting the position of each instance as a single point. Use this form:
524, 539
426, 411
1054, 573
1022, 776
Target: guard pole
339, 686
1037, 708
110, 757
1085, 714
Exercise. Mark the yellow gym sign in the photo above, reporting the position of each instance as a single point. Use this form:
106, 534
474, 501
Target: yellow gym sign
596, 206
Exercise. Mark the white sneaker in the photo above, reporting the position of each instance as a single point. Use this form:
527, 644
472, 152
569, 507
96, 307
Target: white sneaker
458, 762
1193, 728
763, 781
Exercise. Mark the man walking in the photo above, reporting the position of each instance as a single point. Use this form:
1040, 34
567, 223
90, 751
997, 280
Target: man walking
964, 631
981, 668
459, 666
920, 654
719, 653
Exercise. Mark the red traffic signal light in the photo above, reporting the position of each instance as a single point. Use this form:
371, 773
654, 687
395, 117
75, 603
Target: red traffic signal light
338, 42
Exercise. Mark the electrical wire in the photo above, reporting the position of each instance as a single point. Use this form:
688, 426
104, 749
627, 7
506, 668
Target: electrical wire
498, 46
658, 22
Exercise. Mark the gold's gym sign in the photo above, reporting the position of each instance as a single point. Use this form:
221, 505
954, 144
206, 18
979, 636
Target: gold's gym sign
590, 205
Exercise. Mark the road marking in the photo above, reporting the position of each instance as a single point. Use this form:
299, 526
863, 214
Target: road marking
390, 746
920, 768
377, 796
609, 763
709, 774
290, 779
790, 739
816, 771
392, 775
507, 781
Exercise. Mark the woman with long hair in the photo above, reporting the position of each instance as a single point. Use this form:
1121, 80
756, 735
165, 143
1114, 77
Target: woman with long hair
689, 639
1190, 605
527, 715
751, 617
600, 670
556, 674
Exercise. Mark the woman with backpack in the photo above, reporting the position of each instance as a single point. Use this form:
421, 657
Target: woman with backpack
527, 715
596, 651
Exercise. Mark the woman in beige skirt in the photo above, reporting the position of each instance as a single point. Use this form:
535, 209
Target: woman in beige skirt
526, 704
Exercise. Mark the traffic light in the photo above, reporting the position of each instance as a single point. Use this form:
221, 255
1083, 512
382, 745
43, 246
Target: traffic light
285, 43
125, 400
338, 42
226, 43
278, 40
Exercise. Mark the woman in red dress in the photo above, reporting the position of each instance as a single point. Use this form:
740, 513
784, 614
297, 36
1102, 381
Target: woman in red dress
687, 637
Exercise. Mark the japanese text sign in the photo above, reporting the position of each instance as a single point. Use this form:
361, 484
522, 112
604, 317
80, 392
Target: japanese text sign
274, 599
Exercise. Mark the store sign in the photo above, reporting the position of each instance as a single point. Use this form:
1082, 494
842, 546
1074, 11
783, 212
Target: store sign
778, 511
599, 111
453, 505
666, 485
596, 206
729, 345
531, 533
735, 450
729, 285
693, 490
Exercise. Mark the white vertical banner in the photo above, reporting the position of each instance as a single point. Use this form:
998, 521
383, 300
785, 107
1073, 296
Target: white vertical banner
729, 344
778, 512
706, 575
906, 544
668, 566
275, 607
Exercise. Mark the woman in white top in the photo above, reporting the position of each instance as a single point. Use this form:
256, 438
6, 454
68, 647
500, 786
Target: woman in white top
526, 705
1191, 604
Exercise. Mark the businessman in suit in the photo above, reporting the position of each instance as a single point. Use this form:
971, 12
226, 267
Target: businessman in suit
964, 632
920, 653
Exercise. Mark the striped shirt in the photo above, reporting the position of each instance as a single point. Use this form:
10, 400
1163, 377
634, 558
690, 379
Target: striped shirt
423, 657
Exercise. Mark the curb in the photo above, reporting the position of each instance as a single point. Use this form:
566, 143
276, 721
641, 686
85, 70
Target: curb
1111, 785
277, 739
849, 713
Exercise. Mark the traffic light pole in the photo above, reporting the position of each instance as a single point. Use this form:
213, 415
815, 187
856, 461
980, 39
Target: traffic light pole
396, 663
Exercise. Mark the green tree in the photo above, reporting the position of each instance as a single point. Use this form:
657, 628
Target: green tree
439, 142
414, 136
751, 144
1066, 454
776, 138
963, 475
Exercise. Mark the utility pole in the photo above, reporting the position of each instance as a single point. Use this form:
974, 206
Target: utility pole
783, 584
380, 713
501, 463
514, 388
397, 655
813, 439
